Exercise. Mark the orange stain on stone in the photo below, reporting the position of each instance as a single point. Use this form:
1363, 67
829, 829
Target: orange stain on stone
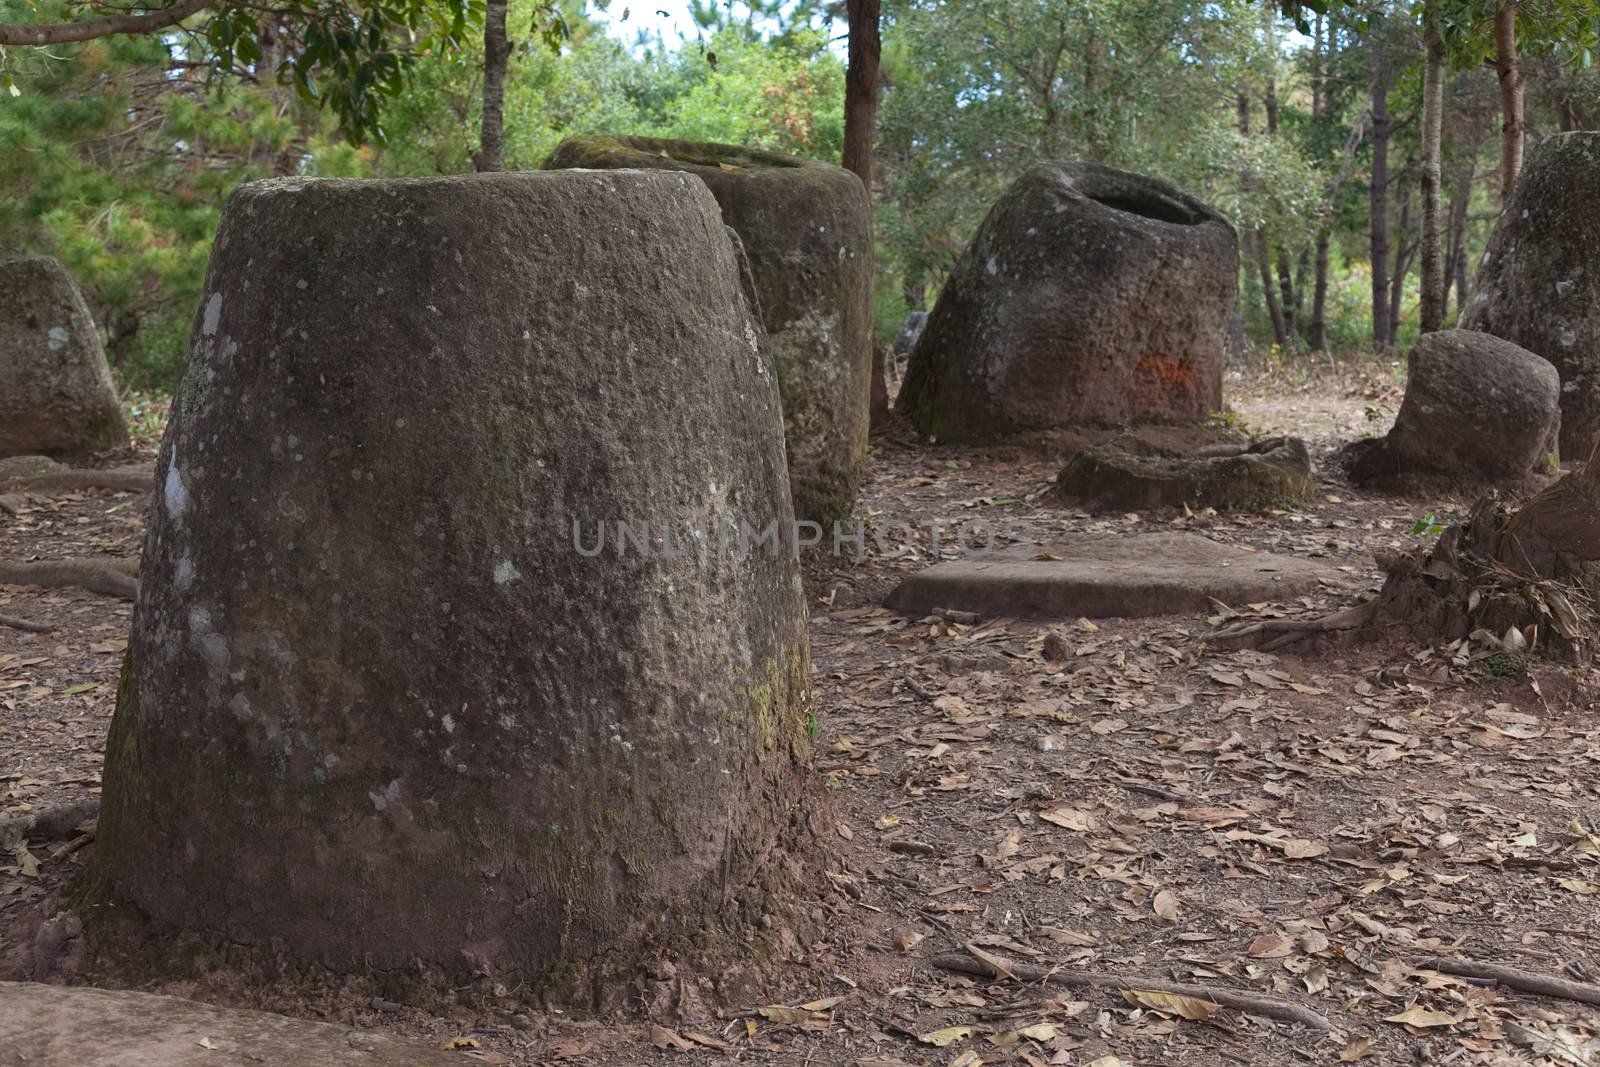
1160, 379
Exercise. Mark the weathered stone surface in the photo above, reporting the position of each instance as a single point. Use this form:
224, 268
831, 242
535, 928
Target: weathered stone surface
1539, 283
1130, 476
1478, 411
385, 701
1088, 296
56, 395
73, 1026
807, 229
1108, 577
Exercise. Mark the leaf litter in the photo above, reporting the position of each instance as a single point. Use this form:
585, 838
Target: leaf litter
1106, 796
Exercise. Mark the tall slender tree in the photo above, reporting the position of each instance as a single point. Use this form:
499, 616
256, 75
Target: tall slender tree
496, 56
1507, 68
1379, 199
1433, 280
861, 88
860, 133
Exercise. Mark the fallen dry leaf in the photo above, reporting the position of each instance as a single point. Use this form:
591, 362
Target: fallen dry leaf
1358, 1048
1070, 819
663, 1038
1172, 1003
1421, 1018
1271, 946
1036, 1032
569, 1050
948, 1036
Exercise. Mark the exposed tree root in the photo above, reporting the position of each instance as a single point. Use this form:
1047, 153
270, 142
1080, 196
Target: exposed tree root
1522, 981
110, 577
47, 824
1271, 1007
1508, 578
44, 476
25, 625
1271, 634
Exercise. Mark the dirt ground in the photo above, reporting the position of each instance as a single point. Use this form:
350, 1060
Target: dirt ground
1320, 830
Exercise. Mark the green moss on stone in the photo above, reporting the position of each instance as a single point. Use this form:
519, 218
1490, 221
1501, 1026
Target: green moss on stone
779, 704
602, 151
662, 806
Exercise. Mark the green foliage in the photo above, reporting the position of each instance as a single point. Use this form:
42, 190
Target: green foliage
118, 165
979, 91
1506, 664
119, 153
1430, 526
347, 56
787, 98
784, 97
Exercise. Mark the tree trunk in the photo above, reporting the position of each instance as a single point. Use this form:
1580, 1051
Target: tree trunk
1509, 73
1379, 201
1431, 313
1319, 296
1323, 53
1318, 39
1402, 264
1571, 115
496, 54
1274, 309
861, 89
860, 133
1455, 271
1284, 321
1254, 243
1302, 267
1286, 293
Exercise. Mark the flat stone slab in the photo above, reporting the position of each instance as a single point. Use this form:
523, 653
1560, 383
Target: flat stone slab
1108, 577
74, 1026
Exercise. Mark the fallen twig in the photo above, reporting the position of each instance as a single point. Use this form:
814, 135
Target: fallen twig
126, 480
111, 577
37, 474
1271, 634
47, 824
25, 625
1522, 981
1146, 788
1271, 1007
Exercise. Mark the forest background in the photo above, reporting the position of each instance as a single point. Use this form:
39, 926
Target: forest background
1304, 126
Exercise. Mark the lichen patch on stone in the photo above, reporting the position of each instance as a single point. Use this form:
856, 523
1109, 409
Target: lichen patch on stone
213, 315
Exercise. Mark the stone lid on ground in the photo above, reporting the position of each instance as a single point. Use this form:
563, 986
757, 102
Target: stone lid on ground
1109, 577
74, 1026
